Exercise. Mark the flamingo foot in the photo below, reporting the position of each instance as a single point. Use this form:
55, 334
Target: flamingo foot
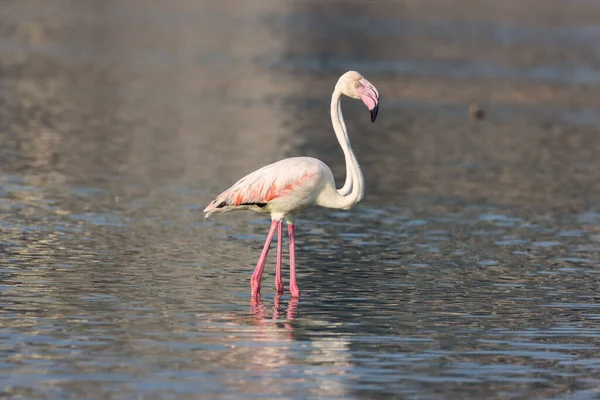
258, 307
294, 290
254, 289
280, 288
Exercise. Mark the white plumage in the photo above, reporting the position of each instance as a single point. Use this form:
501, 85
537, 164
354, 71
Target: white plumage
284, 187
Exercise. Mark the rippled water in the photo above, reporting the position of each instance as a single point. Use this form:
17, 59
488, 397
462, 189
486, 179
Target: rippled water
470, 270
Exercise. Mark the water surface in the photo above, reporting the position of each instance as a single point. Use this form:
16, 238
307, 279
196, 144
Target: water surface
470, 270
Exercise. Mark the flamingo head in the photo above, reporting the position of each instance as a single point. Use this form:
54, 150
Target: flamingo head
354, 85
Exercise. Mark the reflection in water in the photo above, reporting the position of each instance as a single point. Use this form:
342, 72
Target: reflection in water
471, 269
259, 310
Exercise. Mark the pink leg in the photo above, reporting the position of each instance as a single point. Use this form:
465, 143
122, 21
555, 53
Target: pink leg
278, 280
294, 291
260, 266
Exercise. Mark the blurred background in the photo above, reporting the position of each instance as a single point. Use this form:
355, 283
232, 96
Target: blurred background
470, 270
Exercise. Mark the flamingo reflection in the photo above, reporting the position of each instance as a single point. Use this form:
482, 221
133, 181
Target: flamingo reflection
259, 310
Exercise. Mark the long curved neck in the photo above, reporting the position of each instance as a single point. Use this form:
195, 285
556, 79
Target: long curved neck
353, 190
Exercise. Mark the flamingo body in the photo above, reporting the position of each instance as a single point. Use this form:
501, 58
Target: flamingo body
286, 187
281, 189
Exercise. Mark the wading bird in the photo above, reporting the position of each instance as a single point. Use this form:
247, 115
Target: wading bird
286, 187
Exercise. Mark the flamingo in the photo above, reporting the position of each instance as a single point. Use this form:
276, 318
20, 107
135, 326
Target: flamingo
287, 187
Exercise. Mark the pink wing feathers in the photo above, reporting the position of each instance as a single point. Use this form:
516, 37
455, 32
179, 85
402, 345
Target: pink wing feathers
265, 185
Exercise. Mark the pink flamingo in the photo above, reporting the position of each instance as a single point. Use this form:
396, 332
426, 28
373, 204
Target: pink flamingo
286, 187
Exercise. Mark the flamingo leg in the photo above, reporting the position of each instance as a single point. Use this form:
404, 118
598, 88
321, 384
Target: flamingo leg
260, 266
294, 291
278, 280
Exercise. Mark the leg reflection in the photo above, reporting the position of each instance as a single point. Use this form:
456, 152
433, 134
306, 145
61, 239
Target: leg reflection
259, 311
292, 308
257, 308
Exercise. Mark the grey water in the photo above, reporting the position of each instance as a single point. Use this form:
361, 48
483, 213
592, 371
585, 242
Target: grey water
470, 270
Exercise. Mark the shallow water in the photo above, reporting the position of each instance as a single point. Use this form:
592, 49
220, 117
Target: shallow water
469, 271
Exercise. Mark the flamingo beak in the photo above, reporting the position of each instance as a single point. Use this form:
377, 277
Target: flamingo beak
370, 96
374, 112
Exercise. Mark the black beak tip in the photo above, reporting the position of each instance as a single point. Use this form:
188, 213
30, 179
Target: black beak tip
374, 112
